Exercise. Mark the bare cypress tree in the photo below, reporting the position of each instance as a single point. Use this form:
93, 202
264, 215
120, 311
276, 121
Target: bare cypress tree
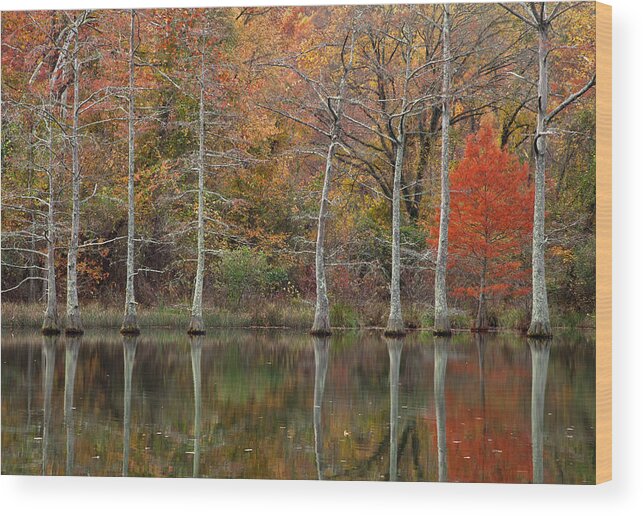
130, 322
395, 324
389, 62
441, 325
329, 97
197, 327
74, 324
321, 324
51, 323
536, 16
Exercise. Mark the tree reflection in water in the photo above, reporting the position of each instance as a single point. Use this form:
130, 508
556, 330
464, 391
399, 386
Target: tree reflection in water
129, 353
253, 390
394, 353
49, 345
321, 346
539, 364
441, 355
72, 346
196, 346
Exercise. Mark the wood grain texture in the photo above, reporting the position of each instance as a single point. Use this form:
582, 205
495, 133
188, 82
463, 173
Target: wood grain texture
603, 243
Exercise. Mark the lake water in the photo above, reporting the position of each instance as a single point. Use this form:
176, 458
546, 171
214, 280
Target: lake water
283, 405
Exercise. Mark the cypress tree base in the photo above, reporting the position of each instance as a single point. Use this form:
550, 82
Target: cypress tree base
130, 325
321, 326
539, 330
196, 326
50, 325
395, 328
74, 331
320, 332
74, 325
442, 327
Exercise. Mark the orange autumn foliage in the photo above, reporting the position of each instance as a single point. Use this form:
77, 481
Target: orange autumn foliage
491, 219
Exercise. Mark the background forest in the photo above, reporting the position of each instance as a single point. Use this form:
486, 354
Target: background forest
225, 120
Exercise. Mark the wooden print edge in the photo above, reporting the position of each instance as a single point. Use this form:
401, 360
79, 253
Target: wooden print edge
603, 242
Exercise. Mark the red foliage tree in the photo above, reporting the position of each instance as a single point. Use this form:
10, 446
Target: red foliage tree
491, 222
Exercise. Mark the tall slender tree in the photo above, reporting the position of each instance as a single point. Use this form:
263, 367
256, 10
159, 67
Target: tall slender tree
51, 324
325, 92
537, 16
130, 321
441, 325
73, 323
197, 327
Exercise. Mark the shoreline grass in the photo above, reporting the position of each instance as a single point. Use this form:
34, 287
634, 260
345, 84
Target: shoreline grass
293, 314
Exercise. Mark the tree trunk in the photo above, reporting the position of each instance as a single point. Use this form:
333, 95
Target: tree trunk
440, 358
395, 326
32, 272
74, 324
321, 325
130, 322
540, 326
482, 323
321, 345
394, 353
50, 325
539, 362
441, 325
197, 327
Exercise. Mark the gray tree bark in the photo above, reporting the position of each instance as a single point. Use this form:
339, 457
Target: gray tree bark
73, 323
537, 17
130, 321
50, 324
321, 346
33, 271
441, 325
321, 324
540, 325
539, 363
482, 323
440, 358
394, 354
197, 326
129, 354
395, 326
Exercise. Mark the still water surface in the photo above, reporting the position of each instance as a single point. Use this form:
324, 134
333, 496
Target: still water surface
284, 405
